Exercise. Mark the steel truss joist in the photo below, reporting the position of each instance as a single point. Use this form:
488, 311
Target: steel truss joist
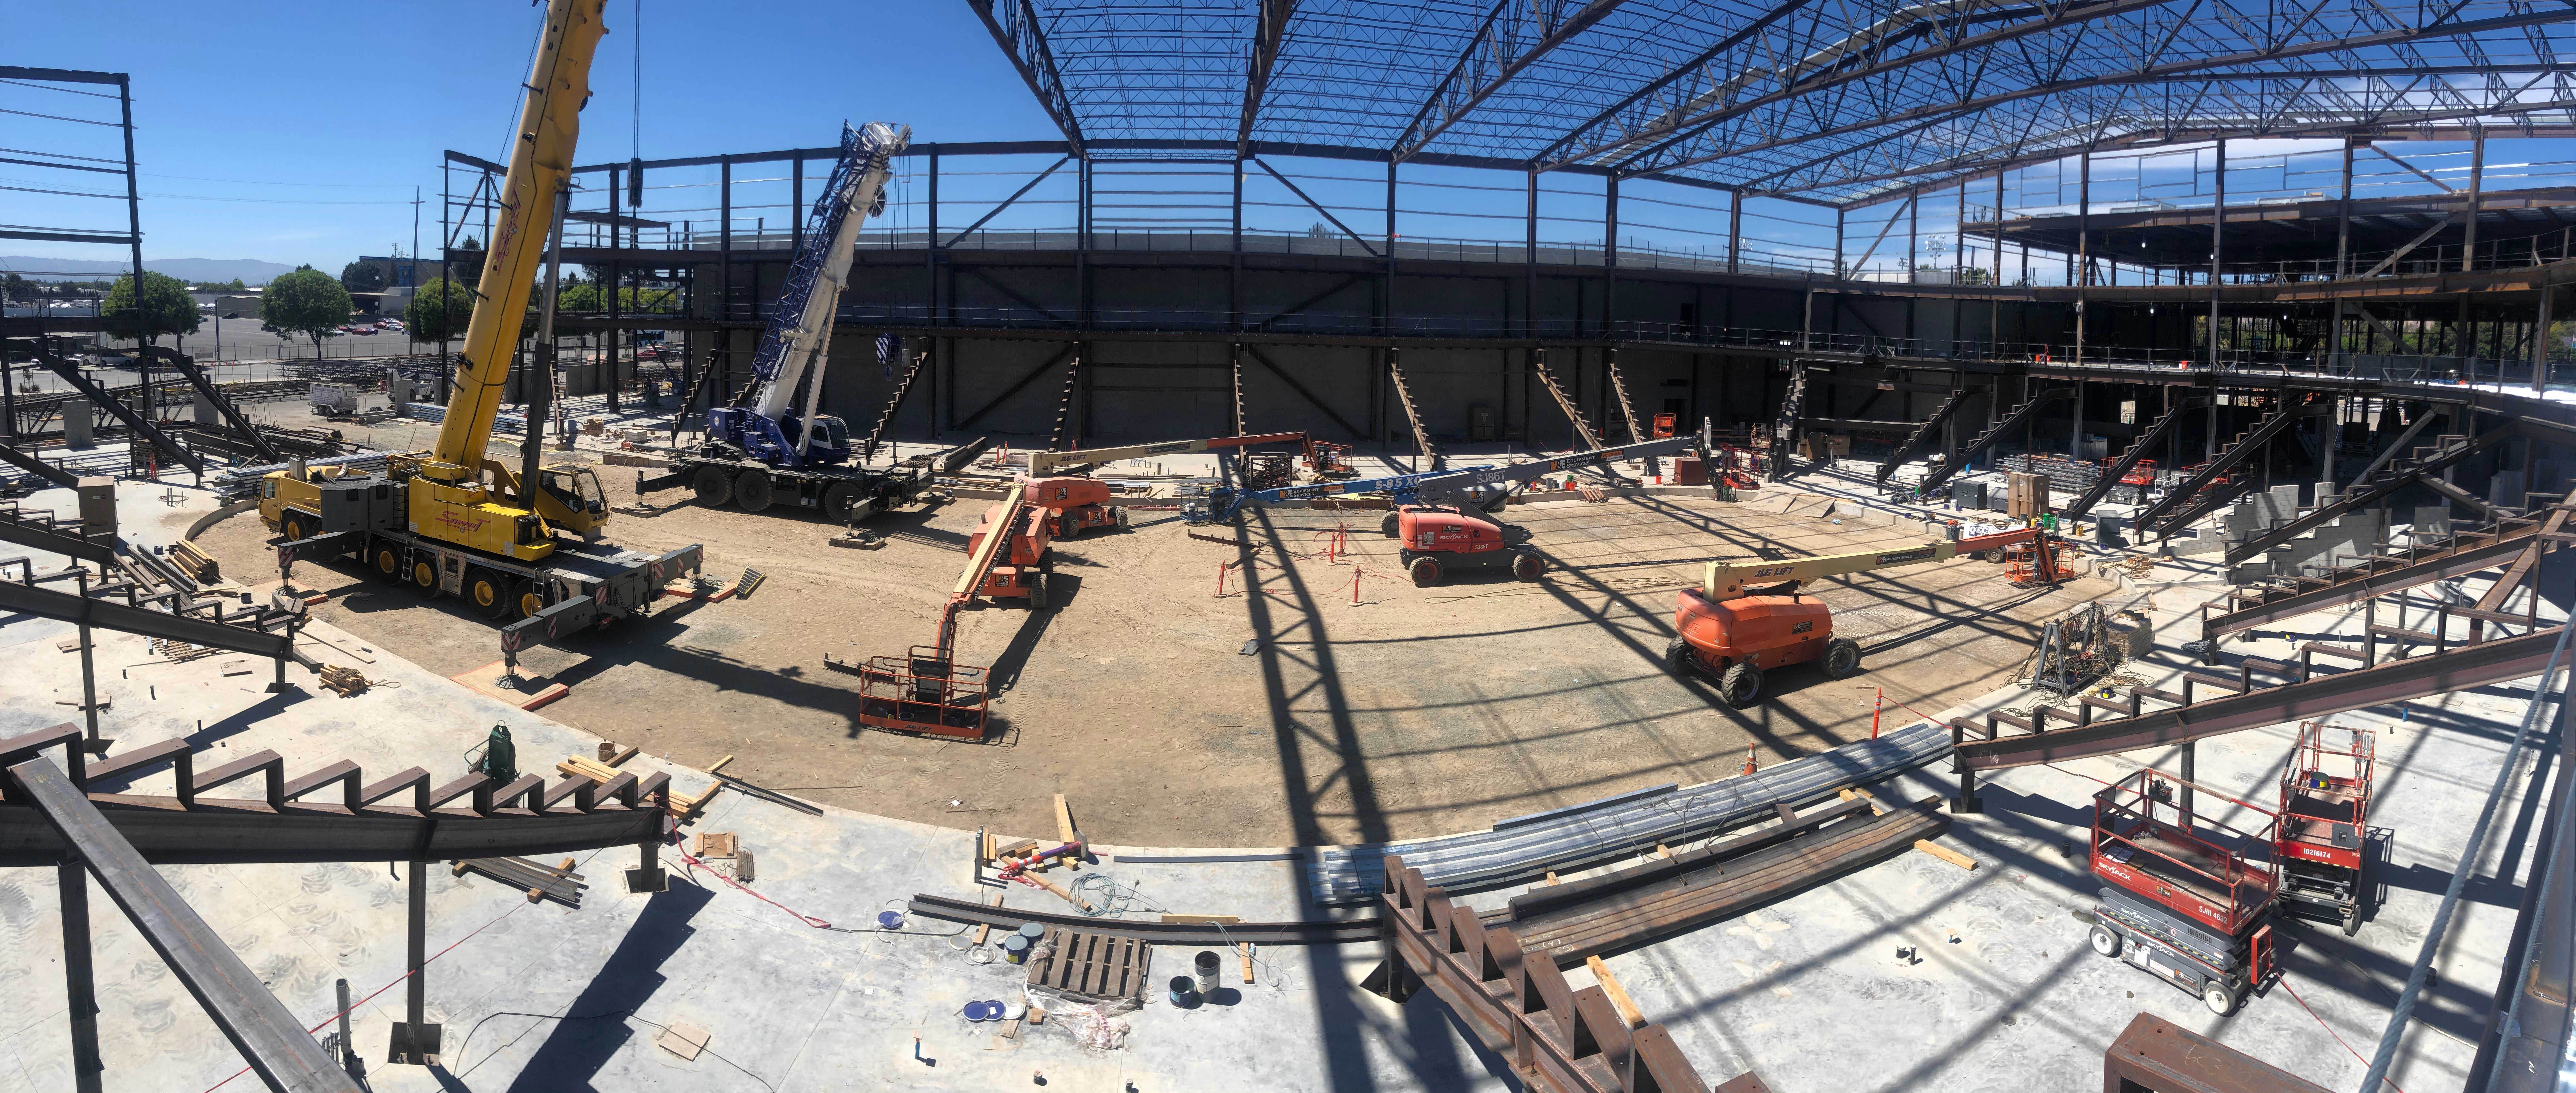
2458, 668
1559, 1038
1514, 35
2379, 575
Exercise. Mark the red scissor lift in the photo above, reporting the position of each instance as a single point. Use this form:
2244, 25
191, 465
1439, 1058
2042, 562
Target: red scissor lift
2186, 896
2325, 810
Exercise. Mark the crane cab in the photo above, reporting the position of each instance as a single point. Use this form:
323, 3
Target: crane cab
569, 497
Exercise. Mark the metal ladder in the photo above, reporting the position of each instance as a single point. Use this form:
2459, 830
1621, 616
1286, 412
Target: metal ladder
1404, 396
885, 421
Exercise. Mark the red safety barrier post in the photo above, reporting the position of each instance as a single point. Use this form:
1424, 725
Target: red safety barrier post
1877, 704
1220, 580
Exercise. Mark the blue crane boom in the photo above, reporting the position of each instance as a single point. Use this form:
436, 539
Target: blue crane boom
762, 422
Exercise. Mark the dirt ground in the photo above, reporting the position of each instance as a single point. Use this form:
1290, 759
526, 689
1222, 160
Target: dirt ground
1278, 713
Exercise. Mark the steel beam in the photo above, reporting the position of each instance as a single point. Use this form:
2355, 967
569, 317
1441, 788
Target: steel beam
220, 831
206, 389
278, 1049
2460, 668
2129, 457
89, 611
63, 543
1502, 48
2262, 434
1015, 28
1266, 36
100, 397
2461, 564
38, 467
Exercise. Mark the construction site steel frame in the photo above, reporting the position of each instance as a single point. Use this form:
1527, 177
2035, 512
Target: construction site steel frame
1853, 112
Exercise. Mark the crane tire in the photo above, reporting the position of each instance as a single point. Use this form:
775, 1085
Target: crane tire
487, 592
388, 558
1842, 658
1425, 571
1122, 516
526, 600
1390, 524
712, 486
1527, 566
294, 526
1741, 685
752, 490
840, 501
1038, 592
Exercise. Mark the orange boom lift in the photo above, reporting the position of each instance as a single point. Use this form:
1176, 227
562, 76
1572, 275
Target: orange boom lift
925, 690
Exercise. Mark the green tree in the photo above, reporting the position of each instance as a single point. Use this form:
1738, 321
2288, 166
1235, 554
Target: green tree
164, 308
307, 302
439, 310
579, 300
363, 276
234, 285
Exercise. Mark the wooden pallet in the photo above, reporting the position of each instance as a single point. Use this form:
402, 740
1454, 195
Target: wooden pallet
1095, 965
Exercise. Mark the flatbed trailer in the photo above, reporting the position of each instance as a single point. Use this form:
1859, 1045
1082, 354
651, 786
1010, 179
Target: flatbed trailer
718, 474
2185, 897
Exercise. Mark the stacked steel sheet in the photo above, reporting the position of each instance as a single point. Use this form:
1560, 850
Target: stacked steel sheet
1573, 838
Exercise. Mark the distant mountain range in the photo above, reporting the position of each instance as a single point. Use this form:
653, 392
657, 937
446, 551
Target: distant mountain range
252, 271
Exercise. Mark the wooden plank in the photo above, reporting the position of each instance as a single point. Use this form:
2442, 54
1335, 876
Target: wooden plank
1628, 1010
1245, 950
1064, 822
1946, 854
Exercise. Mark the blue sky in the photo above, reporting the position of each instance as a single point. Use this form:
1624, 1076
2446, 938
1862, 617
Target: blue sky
294, 132
297, 135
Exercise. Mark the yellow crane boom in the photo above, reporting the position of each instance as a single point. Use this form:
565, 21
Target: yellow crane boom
539, 163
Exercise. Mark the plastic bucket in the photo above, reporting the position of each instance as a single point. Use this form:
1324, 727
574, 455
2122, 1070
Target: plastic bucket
1206, 964
1033, 932
1015, 949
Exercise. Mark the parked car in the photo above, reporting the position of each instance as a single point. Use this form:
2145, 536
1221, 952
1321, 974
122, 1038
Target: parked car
267, 329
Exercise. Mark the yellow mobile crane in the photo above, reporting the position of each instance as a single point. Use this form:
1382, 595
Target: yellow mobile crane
452, 519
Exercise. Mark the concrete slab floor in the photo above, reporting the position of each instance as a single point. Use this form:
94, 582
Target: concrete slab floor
1806, 992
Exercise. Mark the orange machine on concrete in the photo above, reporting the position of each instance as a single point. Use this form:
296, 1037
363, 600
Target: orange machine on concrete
1736, 633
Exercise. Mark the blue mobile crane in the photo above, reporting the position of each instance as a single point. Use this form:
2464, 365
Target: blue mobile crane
774, 442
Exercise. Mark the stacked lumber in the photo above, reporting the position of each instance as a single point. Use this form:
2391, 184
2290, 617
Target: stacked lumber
195, 562
681, 805
346, 682
541, 882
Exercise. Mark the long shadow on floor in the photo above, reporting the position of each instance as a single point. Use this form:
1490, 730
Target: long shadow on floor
576, 1049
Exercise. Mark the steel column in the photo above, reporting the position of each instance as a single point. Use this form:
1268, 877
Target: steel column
415, 1040
80, 985
2217, 242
